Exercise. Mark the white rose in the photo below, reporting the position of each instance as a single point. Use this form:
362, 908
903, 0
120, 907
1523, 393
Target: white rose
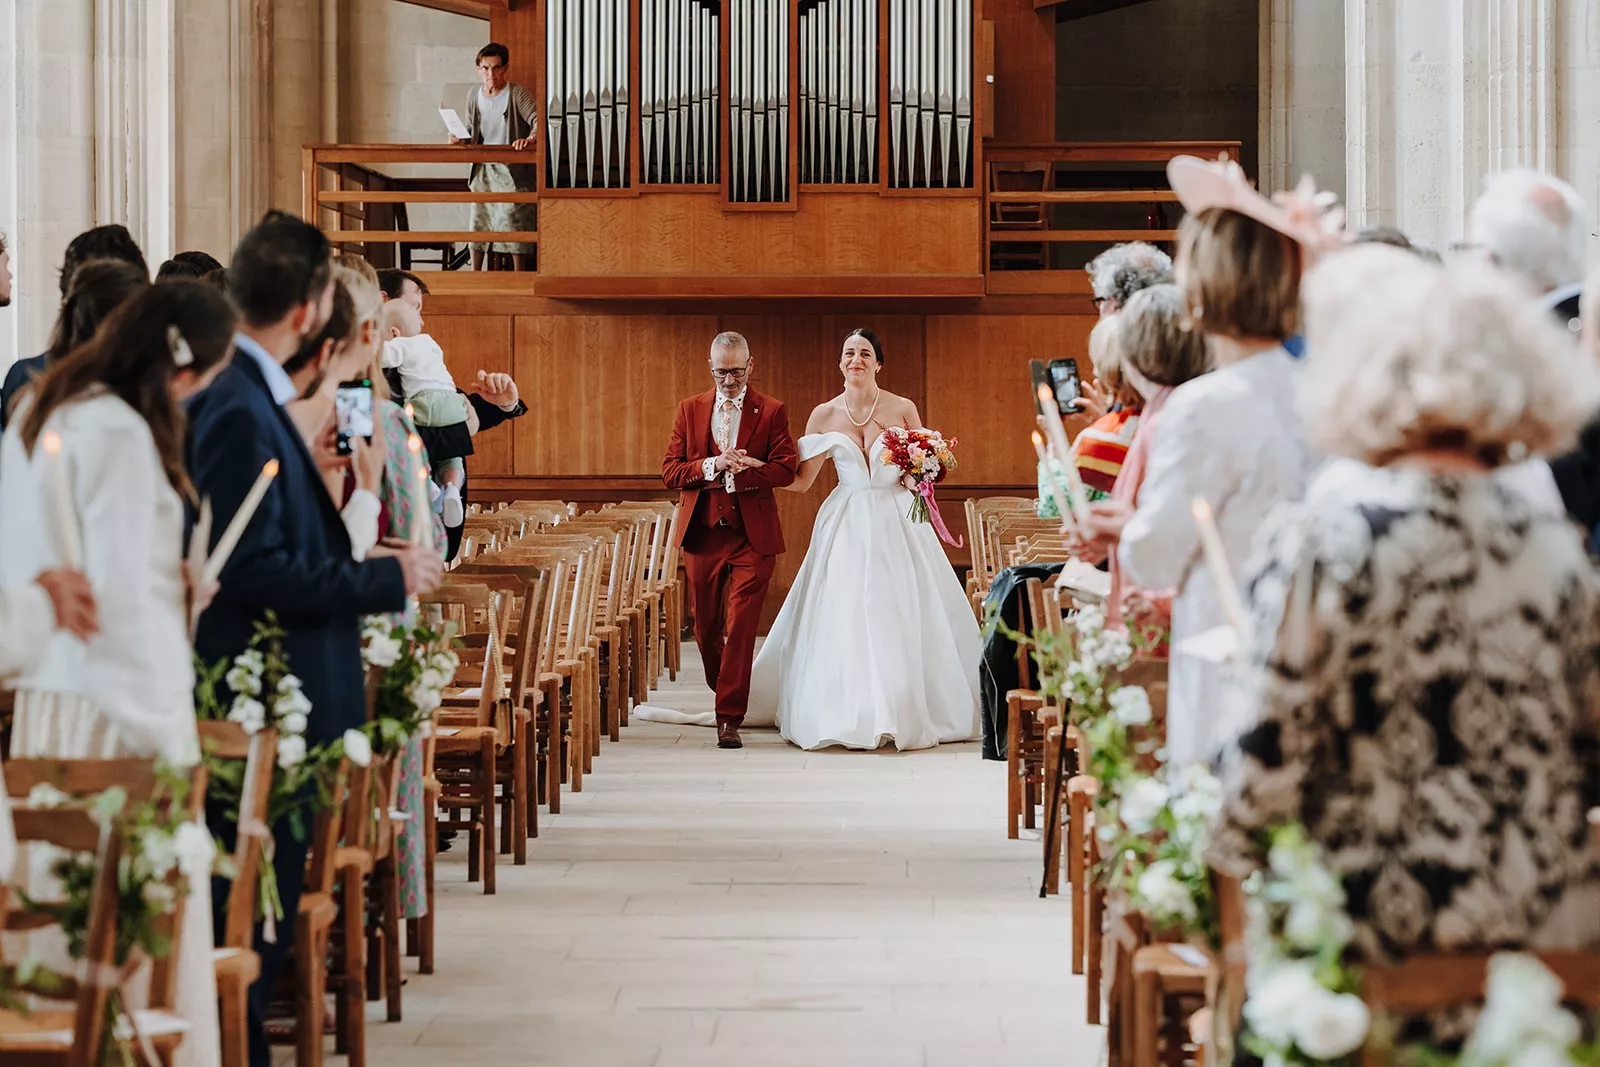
45, 795
1540, 1054
425, 699
1309, 925
1330, 1025
1159, 887
1141, 804
158, 851
248, 713
1522, 1007
358, 748
1130, 705
293, 723
382, 650
195, 850
1275, 992
160, 896
244, 681
292, 702
291, 751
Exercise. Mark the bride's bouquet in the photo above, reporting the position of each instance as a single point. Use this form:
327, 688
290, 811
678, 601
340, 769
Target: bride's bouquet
926, 458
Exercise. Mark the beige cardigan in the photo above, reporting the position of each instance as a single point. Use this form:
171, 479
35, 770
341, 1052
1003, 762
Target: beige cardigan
522, 120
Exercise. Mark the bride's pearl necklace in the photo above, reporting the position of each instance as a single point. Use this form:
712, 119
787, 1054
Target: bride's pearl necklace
868, 420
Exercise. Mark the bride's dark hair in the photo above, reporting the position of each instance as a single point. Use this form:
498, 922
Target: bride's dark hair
872, 339
134, 355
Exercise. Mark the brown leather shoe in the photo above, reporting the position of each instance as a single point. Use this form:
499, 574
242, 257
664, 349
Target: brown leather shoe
728, 735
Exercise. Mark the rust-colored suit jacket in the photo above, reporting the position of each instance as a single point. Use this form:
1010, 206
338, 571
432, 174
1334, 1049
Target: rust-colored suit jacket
764, 433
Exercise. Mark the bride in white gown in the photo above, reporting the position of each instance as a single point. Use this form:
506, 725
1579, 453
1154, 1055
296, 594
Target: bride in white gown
876, 643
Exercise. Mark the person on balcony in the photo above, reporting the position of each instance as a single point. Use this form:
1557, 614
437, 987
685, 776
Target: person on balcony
501, 112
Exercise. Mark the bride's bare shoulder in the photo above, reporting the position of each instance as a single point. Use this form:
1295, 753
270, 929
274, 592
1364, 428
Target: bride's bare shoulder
823, 417
896, 410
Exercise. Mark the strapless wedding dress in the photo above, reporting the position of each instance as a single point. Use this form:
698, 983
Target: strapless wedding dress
876, 642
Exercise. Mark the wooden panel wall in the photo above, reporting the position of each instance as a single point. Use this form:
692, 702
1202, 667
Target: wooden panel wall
603, 382
828, 234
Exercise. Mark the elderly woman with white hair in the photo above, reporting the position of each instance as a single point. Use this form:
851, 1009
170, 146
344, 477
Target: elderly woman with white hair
1122, 270
1418, 679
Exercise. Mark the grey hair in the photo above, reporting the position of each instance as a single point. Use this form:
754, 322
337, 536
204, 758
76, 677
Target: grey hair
1122, 270
732, 340
1404, 355
1534, 225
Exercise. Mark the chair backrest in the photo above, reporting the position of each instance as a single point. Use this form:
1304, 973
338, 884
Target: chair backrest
75, 830
525, 589
259, 751
325, 830
1439, 981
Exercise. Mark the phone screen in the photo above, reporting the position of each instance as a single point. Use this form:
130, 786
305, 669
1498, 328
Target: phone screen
1064, 377
353, 413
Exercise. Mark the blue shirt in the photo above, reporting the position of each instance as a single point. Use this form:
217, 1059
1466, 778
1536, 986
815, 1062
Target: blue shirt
1295, 345
277, 379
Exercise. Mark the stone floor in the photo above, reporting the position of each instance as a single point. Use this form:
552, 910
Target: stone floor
694, 907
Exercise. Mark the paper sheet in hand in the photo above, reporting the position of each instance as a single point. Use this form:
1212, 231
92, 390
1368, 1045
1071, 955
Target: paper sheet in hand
453, 123
1082, 579
1189, 954
1220, 644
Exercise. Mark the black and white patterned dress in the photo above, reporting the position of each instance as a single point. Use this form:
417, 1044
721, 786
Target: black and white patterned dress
1420, 694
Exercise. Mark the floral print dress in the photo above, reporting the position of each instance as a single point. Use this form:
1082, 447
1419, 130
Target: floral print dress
1419, 694
404, 499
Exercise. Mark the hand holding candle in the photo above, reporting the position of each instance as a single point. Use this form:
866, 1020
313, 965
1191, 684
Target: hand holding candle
1062, 450
422, 513
241, 519
1052, 486
1217, 561
66, 515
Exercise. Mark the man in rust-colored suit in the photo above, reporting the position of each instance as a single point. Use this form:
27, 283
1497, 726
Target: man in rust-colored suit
730, 449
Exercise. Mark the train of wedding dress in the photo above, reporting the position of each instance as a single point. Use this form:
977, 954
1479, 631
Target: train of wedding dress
876, 643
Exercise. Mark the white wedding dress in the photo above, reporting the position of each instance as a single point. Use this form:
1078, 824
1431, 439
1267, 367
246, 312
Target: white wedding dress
876, 642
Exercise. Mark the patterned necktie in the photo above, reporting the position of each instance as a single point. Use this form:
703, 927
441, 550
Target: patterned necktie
725, 425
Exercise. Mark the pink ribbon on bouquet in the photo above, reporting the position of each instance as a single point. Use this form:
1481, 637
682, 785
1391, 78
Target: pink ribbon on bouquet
925, 490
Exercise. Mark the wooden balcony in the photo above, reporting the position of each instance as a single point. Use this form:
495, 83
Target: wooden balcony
1040, 211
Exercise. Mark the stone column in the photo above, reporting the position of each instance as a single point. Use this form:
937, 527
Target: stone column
1302, 93
1440, 93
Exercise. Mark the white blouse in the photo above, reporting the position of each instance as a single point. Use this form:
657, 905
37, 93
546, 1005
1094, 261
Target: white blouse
1233, 437
138, 671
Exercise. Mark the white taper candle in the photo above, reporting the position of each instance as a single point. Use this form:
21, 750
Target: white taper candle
241, 519
66, 516
1217, 561
422, 512
1052, 486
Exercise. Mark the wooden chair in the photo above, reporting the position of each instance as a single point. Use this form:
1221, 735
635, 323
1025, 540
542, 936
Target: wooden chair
75, 1037
1438, 981
466, 762
236, 962
354, 861
1026, 727
314, 925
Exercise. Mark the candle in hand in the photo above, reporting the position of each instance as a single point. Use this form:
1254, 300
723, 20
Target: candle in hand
422, 513
66, 516
1217, 561
1051, 485
1062, 450
241, 519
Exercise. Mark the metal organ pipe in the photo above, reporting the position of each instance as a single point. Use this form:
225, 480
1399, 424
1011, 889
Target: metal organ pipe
587, 71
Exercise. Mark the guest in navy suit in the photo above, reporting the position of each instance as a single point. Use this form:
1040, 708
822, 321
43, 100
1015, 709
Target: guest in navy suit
294, 558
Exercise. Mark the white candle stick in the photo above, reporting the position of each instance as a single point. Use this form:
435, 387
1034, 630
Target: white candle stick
422, 513
1217, 561
66, 516
1053, 487
1061, 448
241, 519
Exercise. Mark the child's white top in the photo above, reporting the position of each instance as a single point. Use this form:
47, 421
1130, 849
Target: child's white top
421, 363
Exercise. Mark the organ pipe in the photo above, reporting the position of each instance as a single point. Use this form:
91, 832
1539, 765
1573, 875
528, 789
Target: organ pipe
839, 66
588, 92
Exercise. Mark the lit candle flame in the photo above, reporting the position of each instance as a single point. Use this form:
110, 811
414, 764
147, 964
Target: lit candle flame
50, 441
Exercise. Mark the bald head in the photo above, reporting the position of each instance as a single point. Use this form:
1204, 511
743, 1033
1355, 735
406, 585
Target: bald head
398, 318
1533, 225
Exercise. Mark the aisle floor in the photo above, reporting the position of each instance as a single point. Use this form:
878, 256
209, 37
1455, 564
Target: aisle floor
695, 907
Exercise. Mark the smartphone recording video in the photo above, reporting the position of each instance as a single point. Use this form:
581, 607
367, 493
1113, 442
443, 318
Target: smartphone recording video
353, 414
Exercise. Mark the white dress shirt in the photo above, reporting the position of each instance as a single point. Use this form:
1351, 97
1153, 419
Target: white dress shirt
710, 465
420, 361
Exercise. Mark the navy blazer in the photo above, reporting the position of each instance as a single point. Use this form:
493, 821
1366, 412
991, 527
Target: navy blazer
294, 557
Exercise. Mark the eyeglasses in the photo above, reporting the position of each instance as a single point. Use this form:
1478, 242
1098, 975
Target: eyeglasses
729, 373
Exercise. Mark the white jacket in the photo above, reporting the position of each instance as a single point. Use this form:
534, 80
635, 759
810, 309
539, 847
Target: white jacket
138, 671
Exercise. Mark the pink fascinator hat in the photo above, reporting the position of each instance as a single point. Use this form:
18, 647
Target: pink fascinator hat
1304, 215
